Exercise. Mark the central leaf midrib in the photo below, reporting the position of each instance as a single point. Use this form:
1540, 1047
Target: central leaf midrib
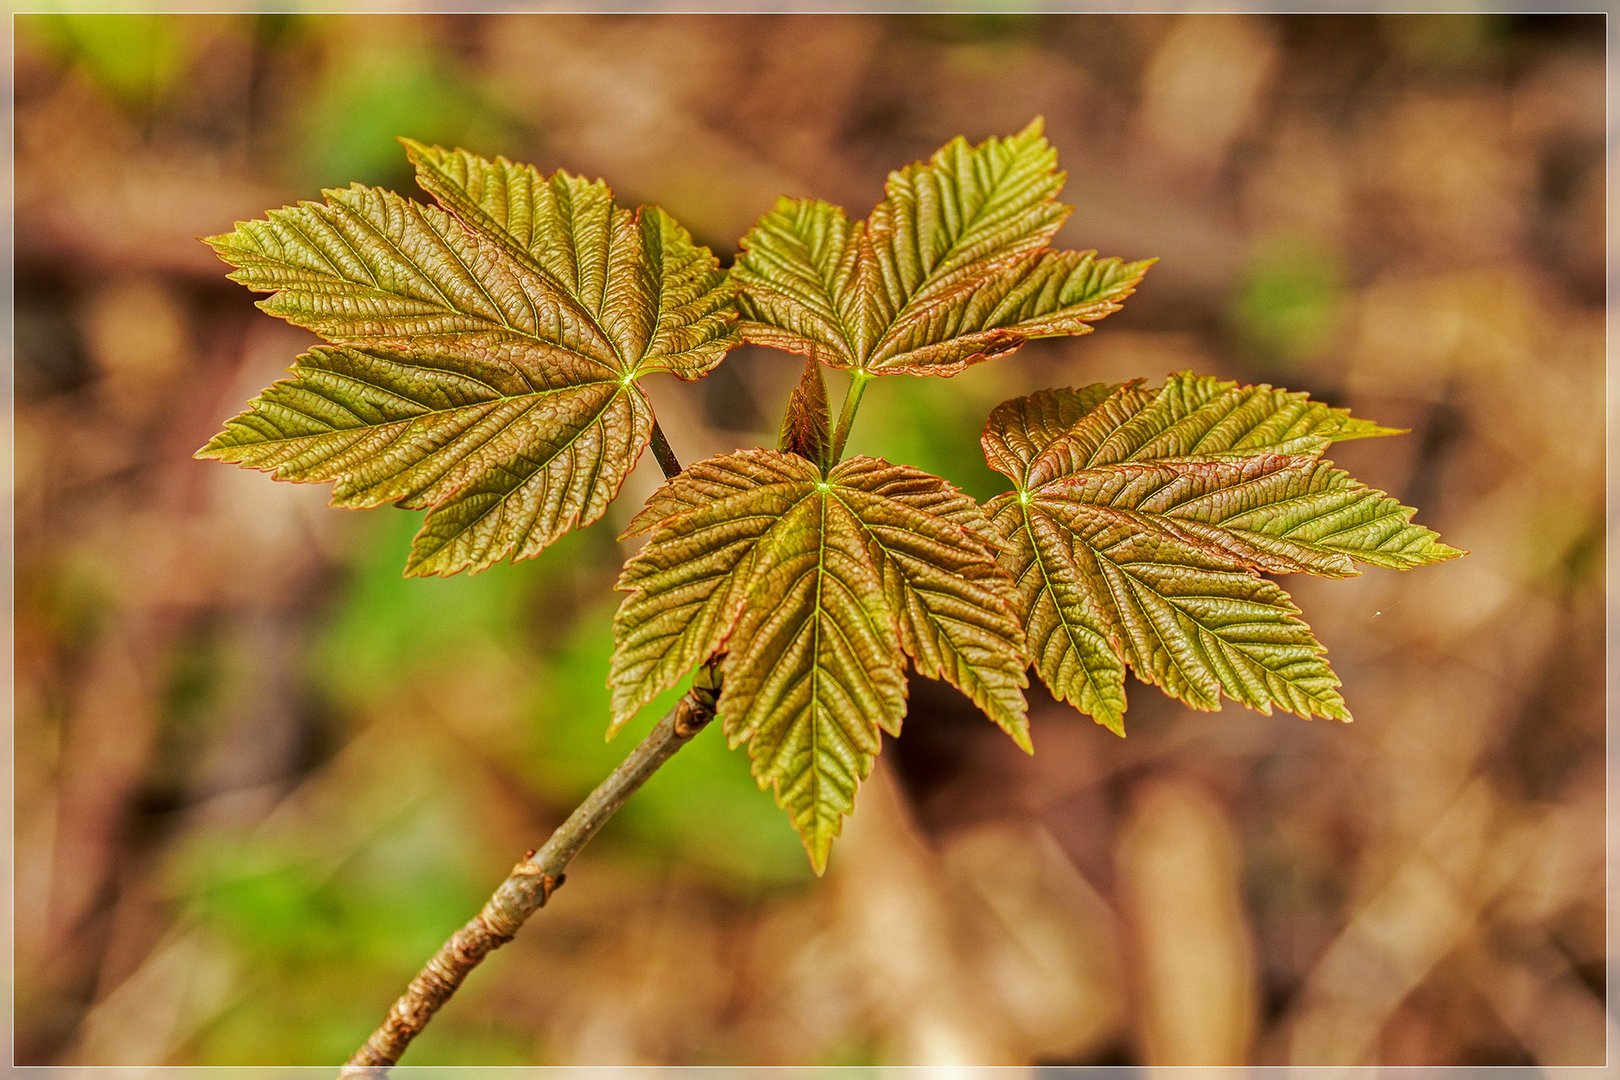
922, 286
1118, 605
447, 306
1057, 606
1176, 522
856, 237
362, 221
523, 256
815, 674
886, 348
425, 414
1236, 648
578, 433
896, 558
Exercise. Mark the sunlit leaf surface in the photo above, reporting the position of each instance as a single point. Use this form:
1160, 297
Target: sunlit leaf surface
816, 589
951, 268
1142, 519
485, 354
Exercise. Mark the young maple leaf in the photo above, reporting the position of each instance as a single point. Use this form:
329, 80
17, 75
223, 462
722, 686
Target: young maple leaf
814, 579
807, 423
816, 587
486, 353
1143, 518
952, 267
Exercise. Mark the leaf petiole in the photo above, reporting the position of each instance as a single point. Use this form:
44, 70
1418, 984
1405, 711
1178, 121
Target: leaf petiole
846, 415
661, 449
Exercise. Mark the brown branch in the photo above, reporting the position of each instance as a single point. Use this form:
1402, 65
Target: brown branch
663, 452
530, 884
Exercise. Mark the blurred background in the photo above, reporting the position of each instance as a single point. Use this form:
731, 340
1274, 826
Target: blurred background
260, 775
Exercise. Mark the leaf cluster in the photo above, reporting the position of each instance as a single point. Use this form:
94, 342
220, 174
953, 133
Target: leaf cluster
481, 363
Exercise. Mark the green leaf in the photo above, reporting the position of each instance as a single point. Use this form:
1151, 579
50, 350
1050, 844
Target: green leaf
815, 588
661, 299
1069, 636
504, 459
807, 424
487, 356
1142, 519
951, 268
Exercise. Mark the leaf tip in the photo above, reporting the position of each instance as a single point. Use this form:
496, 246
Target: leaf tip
210, 451
424, 562
1015, 723
625, 701
419, 153
224, 245
1329, 706
818, 850
1356, 428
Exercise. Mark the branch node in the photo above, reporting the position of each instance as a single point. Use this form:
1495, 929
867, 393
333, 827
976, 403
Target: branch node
527, 888
692, 716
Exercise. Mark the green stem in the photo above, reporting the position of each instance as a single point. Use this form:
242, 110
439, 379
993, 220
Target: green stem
846, 416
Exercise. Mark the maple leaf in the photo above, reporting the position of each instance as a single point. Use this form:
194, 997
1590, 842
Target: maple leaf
807, 424
485, 354
816, 587
951, 268
1141, 521
481, 359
